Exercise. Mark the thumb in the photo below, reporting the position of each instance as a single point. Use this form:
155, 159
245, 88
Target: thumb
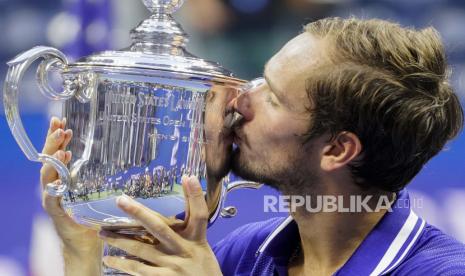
52, 204
198, 210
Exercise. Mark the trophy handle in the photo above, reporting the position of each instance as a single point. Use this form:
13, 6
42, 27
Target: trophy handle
16, 70
231, 211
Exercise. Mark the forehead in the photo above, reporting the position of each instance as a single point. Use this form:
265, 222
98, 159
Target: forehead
292, 65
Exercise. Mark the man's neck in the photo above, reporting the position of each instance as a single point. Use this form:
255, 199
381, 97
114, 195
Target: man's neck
328, 239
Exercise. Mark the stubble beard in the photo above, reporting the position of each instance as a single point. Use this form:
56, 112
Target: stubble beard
294, 179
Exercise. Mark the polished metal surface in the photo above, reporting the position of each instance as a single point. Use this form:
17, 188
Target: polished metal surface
144, 136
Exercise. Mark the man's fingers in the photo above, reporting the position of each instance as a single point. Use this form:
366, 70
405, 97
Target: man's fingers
135, 248
67, 138
55, 123
48, 173
152, 222
186, 202
136, 268
68, 156
54, 141
198, 210
57, 136
52, 204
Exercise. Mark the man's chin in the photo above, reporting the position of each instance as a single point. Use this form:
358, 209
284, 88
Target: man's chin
241, 168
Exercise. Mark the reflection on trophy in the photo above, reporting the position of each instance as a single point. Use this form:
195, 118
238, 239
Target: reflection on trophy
142, 117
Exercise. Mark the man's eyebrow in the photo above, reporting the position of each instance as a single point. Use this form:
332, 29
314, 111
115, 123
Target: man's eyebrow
273, 88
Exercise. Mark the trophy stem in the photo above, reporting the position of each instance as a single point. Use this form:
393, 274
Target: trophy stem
160, 33
114, 252
134, 233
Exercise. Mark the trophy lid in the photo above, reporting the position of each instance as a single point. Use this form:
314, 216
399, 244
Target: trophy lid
158, 43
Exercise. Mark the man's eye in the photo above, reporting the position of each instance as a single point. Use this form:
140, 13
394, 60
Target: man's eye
269, 99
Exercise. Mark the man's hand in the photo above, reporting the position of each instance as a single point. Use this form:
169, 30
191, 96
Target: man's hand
179, 252
81, 246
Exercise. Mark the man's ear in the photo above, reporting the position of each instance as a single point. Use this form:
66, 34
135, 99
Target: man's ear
340, 151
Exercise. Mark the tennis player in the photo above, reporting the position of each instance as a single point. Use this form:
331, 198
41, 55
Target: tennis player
348, 108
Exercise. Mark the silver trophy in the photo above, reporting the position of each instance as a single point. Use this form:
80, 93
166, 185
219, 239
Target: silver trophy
142, 117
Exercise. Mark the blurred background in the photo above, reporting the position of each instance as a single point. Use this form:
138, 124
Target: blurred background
240, 34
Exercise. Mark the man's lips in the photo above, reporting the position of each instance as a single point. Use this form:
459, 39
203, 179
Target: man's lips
232, 120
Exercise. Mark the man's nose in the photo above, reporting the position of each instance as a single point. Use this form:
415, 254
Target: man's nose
242, 105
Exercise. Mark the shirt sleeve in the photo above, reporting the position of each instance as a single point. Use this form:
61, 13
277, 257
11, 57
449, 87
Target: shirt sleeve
438, 255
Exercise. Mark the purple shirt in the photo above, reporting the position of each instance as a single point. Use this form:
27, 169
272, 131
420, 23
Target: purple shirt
400, 244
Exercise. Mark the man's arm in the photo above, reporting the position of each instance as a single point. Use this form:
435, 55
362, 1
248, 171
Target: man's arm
82, 250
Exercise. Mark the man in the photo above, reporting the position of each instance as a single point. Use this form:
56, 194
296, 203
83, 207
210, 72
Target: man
347, 108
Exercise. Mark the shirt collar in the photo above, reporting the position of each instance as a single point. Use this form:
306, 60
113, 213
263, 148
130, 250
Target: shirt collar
381, 251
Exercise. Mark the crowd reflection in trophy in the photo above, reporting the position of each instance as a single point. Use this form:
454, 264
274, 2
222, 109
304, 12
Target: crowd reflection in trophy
146, 183
160, 182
